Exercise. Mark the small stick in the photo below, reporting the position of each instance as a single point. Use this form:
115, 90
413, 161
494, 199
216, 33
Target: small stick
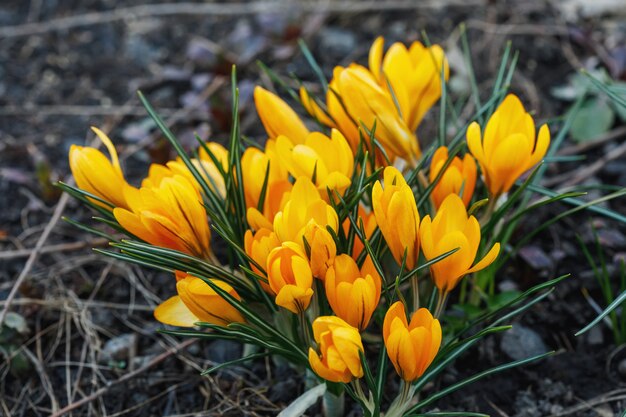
124, 378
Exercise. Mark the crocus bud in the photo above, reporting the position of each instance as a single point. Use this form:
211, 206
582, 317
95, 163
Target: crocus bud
290, 277
322, 248
450, 229
339, 346
352, 294
170, 215
509, 145
411, 346
277, 117
258, 247
459, 177
197, 301
98, 175
397, 216
208, 170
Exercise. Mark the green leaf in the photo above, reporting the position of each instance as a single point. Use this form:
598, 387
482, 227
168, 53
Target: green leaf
235, 362
442, 393
594, 118
616, 303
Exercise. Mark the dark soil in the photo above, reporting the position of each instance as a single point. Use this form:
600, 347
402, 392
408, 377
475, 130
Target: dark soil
88, 318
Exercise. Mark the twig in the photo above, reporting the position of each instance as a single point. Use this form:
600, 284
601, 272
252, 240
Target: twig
33, 256
124, 378
569, 178
221, 9
61, 247
601, 140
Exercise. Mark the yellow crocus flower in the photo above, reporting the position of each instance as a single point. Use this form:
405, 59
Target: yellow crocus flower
509, 145
368, 103
451, 228
170, 215
329, 159
322, 248
353, 294
459, 175
414, 75
290, 277
258, 247
339, 345
278, 117
397, 217
304, 206
198, 302
411, 347
98, 175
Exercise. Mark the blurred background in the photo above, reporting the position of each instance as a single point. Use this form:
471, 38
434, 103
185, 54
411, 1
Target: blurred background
81, 333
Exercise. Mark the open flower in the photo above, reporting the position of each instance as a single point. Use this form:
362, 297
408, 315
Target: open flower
368, 103
397, 217
290, 277
459, 177
327, 159
509, 145
412, 75
197, 301
170, 215
352, 294
411, 347
451, 229
304, 206
209, 172
339, 346
277, 117
98, 175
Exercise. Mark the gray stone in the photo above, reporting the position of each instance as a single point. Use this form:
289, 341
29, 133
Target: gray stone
521, 342
338, 42
621, 368
119, 348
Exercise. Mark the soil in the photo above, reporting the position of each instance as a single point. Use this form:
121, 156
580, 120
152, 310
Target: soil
89, 330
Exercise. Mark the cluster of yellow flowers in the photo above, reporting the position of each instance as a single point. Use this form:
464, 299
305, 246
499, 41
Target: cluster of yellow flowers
294, 189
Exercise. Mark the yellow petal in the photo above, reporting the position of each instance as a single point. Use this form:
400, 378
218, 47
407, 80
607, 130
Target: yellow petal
175, 313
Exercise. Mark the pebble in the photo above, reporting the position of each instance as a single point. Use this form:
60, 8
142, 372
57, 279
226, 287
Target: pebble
118, 348
521, 342
338, 42
621, 368
535, 257
595, 336
221, 351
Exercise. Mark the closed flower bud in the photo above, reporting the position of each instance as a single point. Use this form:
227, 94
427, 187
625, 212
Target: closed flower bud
450, 229
198, 302
327, 159
322, 249
339, 346
411, 346
459, 177
98, 175
352, 294
304, 206
413, 74
258, 247
369, 224
509, 145
397, 216
277, 117
170, 215
290, 277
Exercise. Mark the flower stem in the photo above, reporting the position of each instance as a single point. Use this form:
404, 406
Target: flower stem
415, 292
442, 297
